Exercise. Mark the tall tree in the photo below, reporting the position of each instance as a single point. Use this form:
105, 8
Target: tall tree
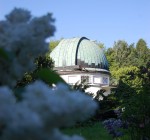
121, 52
118, 55
143, 52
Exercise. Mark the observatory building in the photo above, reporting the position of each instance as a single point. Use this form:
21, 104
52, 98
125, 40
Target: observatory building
80, 59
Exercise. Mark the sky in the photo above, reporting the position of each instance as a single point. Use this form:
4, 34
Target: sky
105, 21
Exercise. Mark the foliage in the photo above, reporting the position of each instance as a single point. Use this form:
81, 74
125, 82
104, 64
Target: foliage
95, 131
81, 86
101, 45
53, 44
44, 62
122, 54
41, 62
123, 74
134, 94
48, 76
142, 53
129, 65
118, 54
107, 106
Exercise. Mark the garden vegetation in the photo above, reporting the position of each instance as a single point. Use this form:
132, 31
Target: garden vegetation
31, 107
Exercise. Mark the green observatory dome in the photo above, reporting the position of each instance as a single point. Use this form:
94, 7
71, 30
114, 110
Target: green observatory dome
80, 52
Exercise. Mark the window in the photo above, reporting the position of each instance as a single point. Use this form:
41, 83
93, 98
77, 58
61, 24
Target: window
85, 79
97, 80
105, 80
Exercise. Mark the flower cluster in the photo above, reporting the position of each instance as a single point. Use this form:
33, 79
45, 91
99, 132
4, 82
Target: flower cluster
22, 39
41, 111
113, 125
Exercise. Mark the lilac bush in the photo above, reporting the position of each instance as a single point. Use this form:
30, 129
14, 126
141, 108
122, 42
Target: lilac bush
42, 110
22, 38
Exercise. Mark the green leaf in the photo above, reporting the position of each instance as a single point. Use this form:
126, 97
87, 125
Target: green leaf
49, 76
3, 54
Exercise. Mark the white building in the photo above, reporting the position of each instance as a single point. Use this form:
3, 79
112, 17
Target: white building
80, 59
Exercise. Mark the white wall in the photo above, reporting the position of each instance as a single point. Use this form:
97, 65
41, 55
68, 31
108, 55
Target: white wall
96, 80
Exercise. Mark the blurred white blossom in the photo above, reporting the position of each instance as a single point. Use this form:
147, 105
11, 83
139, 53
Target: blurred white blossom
61, 104
23, 39
6, 96
41, 111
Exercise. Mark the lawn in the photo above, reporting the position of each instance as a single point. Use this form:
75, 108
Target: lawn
90, 132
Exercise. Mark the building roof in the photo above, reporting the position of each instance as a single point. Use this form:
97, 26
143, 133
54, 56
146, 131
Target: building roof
79, 52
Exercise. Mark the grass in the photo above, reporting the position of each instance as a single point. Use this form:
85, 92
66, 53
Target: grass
95, 131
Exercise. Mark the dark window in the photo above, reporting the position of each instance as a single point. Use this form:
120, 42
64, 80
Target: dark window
85, 79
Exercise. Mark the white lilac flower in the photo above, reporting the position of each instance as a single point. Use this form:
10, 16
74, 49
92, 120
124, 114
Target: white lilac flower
41, 111
24, 38
16, 119
6, 96
7, 105
19, 122
58, 107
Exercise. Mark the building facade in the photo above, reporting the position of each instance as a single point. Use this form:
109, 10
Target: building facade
80, 59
